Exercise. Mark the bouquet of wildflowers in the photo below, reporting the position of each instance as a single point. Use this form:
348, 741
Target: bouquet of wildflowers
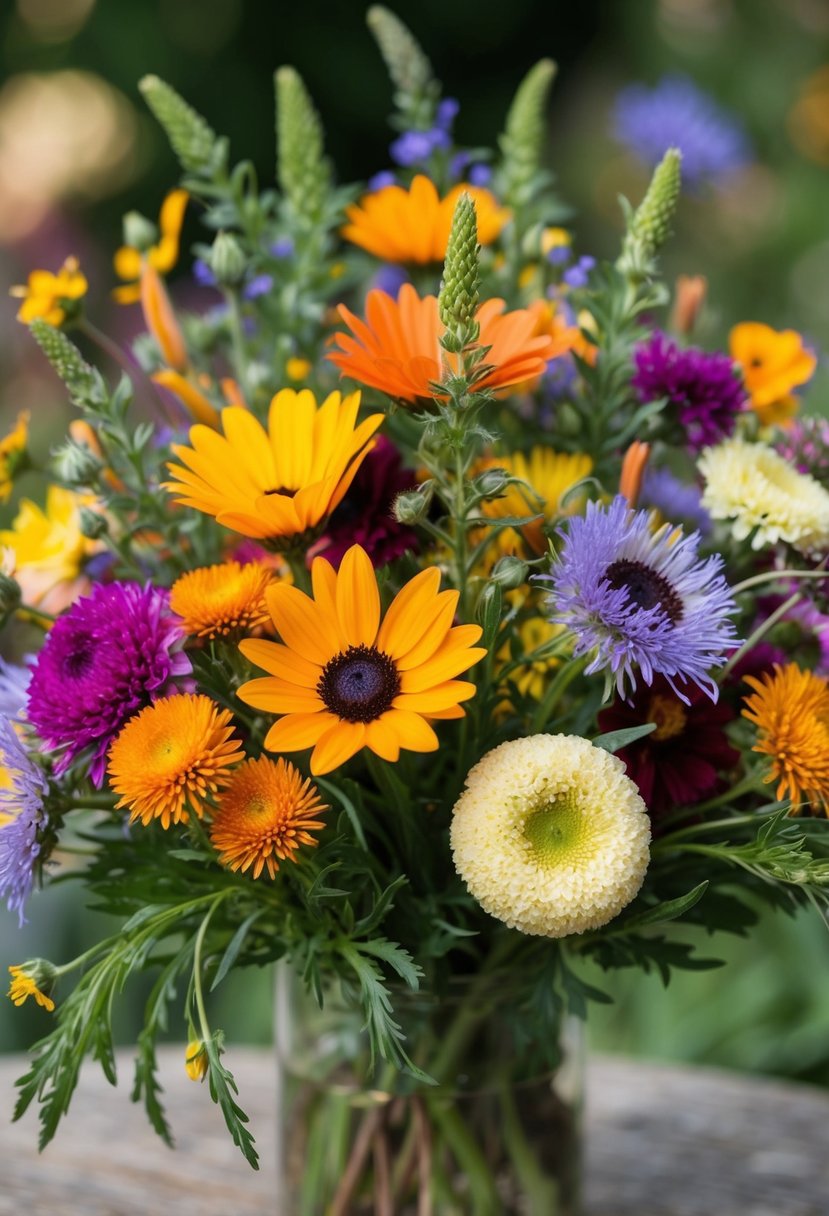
428, 614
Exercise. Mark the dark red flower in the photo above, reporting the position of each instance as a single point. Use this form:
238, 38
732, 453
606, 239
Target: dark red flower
680, 762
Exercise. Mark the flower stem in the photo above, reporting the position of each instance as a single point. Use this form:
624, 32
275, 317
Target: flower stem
760, 632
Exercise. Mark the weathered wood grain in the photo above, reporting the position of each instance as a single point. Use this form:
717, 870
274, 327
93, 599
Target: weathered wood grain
662, 1141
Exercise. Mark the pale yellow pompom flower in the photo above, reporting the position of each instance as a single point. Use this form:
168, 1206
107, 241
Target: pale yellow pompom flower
752, 485
550, 836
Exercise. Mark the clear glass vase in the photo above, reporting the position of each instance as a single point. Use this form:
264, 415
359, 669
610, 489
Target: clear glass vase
497, 1136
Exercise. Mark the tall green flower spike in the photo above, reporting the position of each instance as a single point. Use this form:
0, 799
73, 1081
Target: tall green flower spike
84, 383
459, 290
523, 139
649, 226
301, 167
192, 139
410, 70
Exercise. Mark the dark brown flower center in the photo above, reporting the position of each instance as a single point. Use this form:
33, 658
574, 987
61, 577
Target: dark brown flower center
669, 715
359, 684
283, 490
645, 587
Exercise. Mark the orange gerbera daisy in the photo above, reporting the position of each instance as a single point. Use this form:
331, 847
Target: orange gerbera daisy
170, 757
413, 225
790, 708
215, 601
267, 811
773, 362
345, 680
397, 348
278, 484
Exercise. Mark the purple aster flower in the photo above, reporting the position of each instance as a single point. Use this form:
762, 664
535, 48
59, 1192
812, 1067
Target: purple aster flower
282, 248
413, 147
14, 686
111, 654
577, 275
381, 180
635, 598
480, 175
704, 392
676, 114
677, 501
258, 286
364, 517
22, 817
390, 278
446, 113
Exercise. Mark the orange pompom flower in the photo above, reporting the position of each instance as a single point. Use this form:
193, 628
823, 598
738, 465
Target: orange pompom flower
344, 679
790, 708
218, 601
171, 757
773, 363
413, 225
266, 812
397, 348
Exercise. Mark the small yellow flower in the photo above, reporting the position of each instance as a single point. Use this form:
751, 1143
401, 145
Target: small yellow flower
554, 238
297, 369
162, 256
51, 297
13, 454
195, 1060
24, 985
49, 548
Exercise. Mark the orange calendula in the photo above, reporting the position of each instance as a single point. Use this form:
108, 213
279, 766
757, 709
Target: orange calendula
397, 348
266, 813
773, 363
413, 225
162, 256
790, 708
220, 601
345, 677
51, 297
279, 484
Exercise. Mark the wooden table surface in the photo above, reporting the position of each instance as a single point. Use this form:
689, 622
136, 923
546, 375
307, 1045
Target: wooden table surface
662, 1140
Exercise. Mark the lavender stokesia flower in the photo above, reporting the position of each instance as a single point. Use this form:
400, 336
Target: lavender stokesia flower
115, 651
676, 114
705, 395
635, 598
22, 816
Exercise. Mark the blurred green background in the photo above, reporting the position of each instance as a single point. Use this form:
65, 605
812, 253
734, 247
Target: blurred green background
77, 149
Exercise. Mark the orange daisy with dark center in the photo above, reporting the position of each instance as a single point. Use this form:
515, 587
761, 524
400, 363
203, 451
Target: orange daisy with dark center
346, 677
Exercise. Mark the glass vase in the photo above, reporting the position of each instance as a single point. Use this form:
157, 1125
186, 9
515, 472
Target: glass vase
496, 1136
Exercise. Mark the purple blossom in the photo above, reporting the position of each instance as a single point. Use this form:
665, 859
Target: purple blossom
22, 818
638, 599
14, 686
446, 113
203, 275
282, 248
480, 175
676, 501
705, 394
577, 275
677, 114
559, 255
390, 278
414, 147
364, 517
805, 444
111, 654
259, 285
381, 180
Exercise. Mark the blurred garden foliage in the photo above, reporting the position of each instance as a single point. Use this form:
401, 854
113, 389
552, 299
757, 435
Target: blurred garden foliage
77, 149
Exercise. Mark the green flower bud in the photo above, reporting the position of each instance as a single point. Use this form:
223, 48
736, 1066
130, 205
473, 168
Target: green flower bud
491, 482
523, 139
488, 611
510, 572
459, 289
192, 140
227, 260
93, 525
408, 66
76, 465
301, 167
10, 596
139, 232
85, 385
649, 226
412, 506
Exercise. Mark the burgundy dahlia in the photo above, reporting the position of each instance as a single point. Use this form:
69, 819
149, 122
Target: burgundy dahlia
364, 517
705, 394
680, 762
111, 654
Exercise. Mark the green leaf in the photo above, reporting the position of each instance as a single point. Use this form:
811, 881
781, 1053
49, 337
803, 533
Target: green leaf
234, 946
383, 905
671, 909
222, 1090
613, 740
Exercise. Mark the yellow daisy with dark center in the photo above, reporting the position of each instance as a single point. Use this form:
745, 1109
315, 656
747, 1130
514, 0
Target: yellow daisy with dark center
215, 601
266, 812
344, 679
171, 757
282, 483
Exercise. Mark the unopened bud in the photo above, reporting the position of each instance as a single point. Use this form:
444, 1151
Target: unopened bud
93, 524
491, 482
139, 232
412, 506
227, 260
510, 572
689, 298
76, 465
10, 596
195, 1059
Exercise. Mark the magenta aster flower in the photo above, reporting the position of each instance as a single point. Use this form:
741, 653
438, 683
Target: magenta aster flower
22, 818
111, 654
805, 444
634, 598
680, 762
704, 393
364, 517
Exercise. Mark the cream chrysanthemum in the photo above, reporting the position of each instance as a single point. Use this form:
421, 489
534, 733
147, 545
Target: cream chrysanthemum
550, 836
761, 492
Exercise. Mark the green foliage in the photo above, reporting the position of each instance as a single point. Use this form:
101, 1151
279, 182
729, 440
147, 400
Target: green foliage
191, 138
522, 142
416, 90
302, 170
84, 383
648, 227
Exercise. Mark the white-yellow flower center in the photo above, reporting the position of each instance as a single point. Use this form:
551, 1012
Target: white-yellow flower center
556, 831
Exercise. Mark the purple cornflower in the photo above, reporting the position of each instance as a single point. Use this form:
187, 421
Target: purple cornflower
705, 394
364, 517
577, 275
676, 501
22, 816
677, 114
633, 598
111, 654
